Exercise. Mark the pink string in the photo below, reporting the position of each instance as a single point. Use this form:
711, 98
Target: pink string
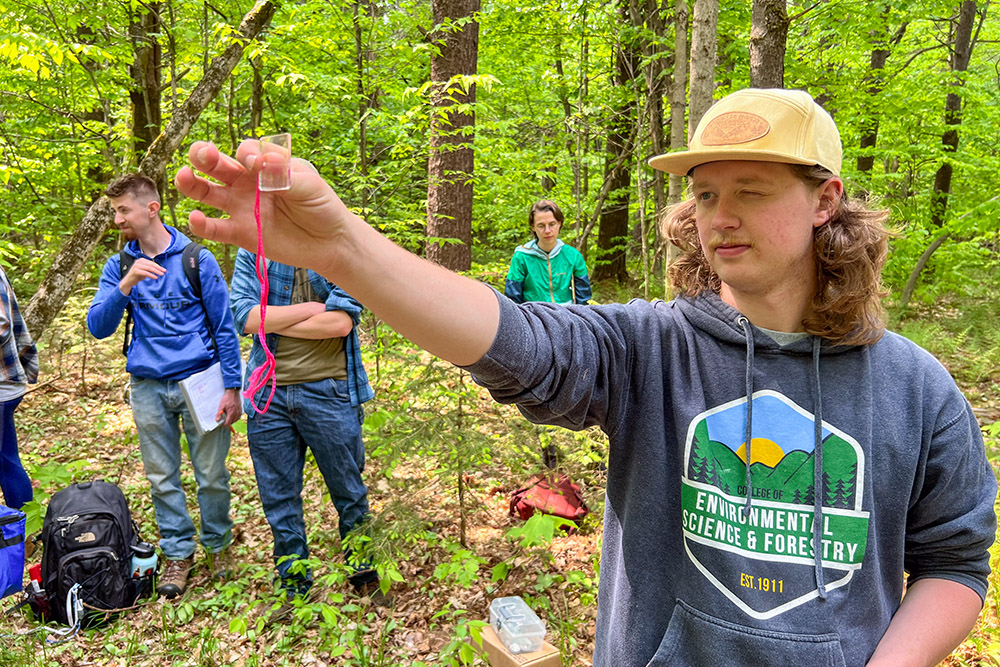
265, 371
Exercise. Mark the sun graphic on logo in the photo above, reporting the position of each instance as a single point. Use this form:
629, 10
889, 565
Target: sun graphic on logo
763, 451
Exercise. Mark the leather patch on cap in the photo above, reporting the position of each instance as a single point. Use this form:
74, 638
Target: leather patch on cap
734, 127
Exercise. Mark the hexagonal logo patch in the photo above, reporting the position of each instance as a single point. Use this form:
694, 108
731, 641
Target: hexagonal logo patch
762, 559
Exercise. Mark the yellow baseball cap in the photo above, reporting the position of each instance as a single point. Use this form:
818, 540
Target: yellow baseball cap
765, 125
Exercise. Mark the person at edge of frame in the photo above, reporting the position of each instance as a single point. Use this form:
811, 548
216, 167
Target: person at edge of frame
778, 460
18, 370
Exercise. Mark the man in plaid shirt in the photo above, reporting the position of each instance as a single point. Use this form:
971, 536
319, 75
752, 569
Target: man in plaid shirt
20, 366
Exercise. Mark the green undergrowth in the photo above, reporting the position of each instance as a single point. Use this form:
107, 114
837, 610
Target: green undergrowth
442, 459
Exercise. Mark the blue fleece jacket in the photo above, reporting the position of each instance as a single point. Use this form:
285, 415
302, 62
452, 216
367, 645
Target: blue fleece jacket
171, 337
864, 463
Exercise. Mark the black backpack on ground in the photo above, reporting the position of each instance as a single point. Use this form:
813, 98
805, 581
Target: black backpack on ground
87, 537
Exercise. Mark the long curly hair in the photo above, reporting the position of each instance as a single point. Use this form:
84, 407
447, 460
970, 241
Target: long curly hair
850, 250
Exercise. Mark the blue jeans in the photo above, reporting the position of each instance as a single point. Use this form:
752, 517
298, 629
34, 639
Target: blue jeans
158, 409
14, 481
318, 416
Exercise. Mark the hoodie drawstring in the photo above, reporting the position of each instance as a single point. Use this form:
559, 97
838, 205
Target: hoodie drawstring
817, 472
817, 449
748, 332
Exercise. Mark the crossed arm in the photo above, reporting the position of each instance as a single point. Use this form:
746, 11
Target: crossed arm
309, 320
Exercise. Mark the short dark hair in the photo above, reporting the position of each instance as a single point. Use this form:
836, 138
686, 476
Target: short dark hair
544, 205
142, 188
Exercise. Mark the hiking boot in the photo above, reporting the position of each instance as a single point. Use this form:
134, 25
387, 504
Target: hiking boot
373, 591
219, 565
550, 457
173, 581
295, 588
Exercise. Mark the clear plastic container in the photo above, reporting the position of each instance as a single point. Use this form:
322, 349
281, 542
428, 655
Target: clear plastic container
518, 627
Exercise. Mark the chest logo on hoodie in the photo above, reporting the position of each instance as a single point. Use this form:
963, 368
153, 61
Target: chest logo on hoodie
762, 558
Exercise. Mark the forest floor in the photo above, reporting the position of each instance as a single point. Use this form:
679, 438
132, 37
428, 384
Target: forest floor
75, 425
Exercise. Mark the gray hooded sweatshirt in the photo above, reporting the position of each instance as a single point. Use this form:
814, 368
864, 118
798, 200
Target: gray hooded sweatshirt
864, 462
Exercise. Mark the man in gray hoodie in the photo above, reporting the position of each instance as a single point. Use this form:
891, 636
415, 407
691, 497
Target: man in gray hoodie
778, 460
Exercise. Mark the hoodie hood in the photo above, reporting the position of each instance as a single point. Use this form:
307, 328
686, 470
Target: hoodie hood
531, 248
178, 241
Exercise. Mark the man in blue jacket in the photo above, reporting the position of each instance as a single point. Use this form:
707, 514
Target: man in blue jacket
176, 334
320, 388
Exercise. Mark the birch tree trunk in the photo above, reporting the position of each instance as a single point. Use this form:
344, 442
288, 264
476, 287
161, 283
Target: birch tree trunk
704, 37
58, 283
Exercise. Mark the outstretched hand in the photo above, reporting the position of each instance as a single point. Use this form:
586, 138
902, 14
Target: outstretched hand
300, 225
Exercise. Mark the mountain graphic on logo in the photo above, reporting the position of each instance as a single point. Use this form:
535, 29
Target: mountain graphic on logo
718, 465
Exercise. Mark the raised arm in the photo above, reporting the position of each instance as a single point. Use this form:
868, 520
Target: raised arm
450, 316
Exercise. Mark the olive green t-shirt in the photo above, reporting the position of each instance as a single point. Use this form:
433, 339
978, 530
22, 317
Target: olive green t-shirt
303, 360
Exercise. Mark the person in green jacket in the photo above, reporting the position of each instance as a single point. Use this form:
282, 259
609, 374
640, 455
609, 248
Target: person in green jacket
545, 268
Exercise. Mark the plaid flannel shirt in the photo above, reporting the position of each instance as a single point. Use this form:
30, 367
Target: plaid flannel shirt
244, 294
20, 356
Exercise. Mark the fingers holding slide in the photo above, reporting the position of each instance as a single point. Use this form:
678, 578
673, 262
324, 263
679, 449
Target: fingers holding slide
206, 158
218, 229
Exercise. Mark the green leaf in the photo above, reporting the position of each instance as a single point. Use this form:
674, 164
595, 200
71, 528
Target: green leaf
238, 625
499, 572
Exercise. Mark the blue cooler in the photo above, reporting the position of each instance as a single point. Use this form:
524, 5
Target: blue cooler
11, 551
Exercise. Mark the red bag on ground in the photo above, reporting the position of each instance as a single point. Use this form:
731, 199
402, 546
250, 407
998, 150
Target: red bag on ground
559, 497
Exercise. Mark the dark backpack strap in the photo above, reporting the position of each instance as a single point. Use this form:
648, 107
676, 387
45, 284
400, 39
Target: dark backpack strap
190, 261
189, 258
126, 261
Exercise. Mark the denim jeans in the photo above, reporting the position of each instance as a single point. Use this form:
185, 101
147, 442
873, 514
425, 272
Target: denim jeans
14, 481
158, 409
318, 416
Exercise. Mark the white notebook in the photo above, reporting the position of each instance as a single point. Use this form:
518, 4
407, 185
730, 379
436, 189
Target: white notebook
203, 391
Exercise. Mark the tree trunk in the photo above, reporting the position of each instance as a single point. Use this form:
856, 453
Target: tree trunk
678, 94
58, 283
657, 86
613, 232
704, 28
876, 82
451, 162
678, 129
145, 72
768, 36
961, 55
581, 175
368, 97
256, 95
